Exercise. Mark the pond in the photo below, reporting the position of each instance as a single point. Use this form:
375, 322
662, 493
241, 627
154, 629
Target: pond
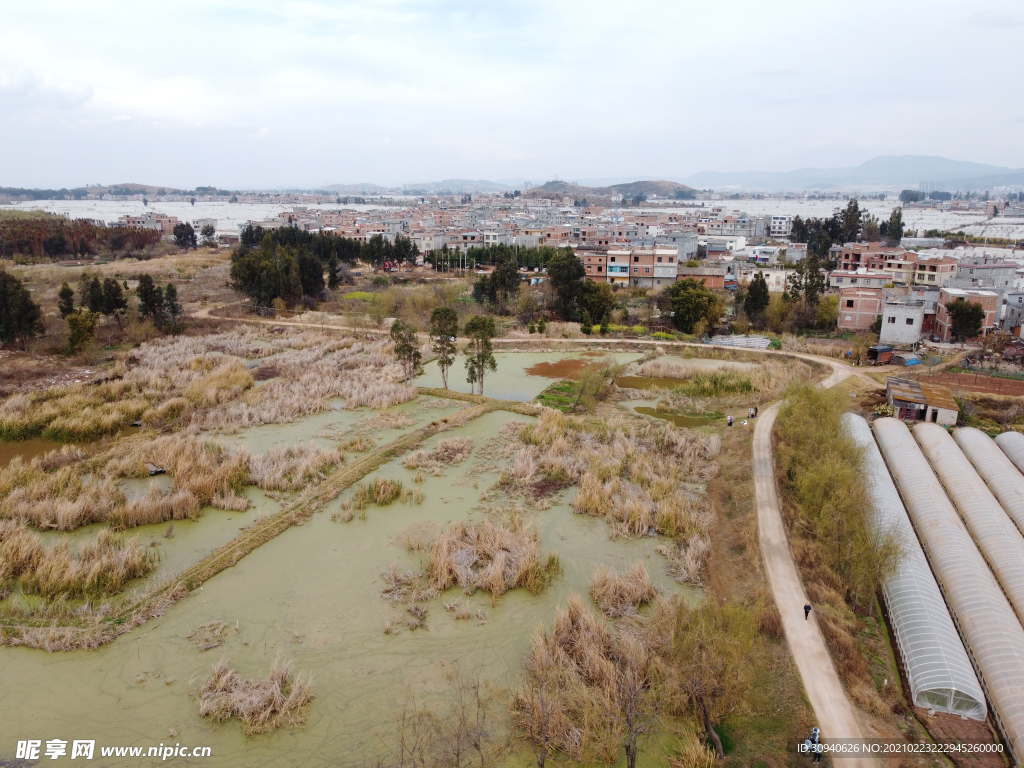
313, 594
521, 375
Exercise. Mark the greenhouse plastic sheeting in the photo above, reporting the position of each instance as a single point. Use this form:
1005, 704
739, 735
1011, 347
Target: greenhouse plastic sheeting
996, 469
939, 672
993, 636
1012, 444
995, 534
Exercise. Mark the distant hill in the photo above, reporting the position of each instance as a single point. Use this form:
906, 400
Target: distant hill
629, 189
888, 171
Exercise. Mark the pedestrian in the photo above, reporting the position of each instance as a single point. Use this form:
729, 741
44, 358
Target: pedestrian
807, 611
816, 745
755, 411
730, 421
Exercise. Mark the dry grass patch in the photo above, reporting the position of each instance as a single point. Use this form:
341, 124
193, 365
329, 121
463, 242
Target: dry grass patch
446, 453
262, 704
621, 594
209, 635
417, 537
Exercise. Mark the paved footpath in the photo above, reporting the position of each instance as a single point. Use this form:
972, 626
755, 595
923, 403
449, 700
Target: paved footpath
832, 708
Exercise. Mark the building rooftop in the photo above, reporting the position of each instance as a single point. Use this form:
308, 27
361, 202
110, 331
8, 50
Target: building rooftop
912, 391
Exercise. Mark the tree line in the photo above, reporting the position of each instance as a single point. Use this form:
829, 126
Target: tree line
54, 237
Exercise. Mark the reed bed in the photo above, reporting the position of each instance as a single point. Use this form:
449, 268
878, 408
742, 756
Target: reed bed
262, 704
100, 568
417, 536
493, 558
660, 368
289, 468
621, 594
82, 491
446, 453
204, 381
631, 472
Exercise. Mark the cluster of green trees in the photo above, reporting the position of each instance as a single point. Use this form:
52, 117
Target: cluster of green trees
20, 316
288, 264
500, 288
966, 319
845, 226
444, 328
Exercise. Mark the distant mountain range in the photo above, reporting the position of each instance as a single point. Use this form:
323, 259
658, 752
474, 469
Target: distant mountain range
629, 189
902, 171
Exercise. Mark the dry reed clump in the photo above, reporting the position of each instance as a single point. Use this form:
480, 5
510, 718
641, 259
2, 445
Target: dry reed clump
388, 420
209, 635
359, 444
631, 472
621, 594
382, 491
288, 468
101, 567
262, 704
494, 558
223, 384
446, 453
573, 680
687, 559
659, 368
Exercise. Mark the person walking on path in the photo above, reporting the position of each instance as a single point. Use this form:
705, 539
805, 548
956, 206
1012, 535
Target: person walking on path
807, 611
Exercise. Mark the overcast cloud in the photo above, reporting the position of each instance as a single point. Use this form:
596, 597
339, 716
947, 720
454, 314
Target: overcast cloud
251, 94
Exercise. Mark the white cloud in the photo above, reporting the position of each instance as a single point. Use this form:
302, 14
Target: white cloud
265, 93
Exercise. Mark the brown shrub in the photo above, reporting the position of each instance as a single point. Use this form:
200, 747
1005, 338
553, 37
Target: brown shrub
262, 704
620, 594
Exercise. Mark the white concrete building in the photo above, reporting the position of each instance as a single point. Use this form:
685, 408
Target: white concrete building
902, 321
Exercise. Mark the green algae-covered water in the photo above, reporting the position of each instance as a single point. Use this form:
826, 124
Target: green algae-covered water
313, 595
512, 380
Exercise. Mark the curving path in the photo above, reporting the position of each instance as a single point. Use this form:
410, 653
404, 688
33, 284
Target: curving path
832, 708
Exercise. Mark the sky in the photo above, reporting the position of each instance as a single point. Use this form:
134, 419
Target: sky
250, 95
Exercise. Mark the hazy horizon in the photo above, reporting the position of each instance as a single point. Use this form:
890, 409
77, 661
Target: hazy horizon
307, 94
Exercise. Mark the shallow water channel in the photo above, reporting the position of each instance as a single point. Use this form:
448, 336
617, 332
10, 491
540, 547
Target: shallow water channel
313, 595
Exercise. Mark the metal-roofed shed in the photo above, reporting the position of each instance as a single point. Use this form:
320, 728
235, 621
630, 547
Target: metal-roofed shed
918, 401
938, 669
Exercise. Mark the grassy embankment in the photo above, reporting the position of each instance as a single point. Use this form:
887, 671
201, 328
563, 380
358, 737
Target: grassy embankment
841, 559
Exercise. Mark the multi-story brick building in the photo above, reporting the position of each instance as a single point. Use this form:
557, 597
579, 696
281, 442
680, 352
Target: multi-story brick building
859, 308
989, 301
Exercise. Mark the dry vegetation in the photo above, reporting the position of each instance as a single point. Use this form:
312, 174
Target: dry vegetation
262, 704
101, 567
841, 557
203, 381
621, 594
630, 472
590, 690
484, 556
212, 634
493, 558
701, 390
447, 453
65, 489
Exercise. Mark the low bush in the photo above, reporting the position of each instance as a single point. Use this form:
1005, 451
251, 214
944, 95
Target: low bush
262, 704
